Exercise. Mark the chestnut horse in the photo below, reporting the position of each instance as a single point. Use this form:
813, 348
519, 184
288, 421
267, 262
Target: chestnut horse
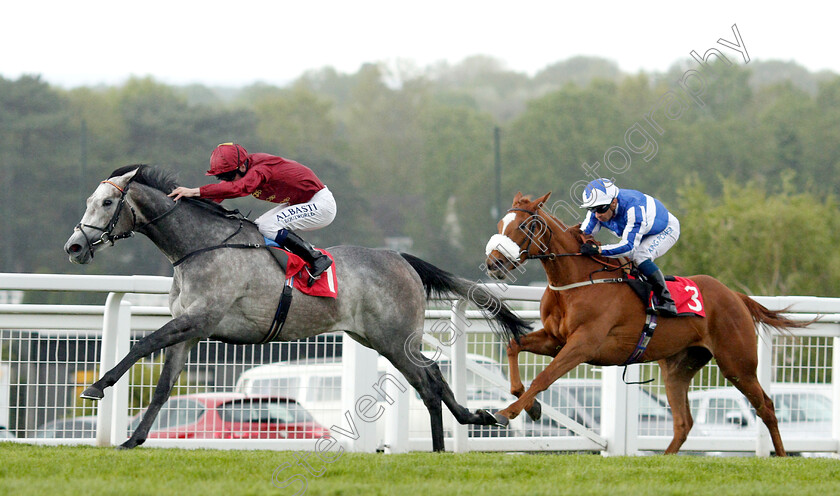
601, 324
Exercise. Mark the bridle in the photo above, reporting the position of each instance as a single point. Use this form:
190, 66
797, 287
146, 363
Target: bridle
107, 235
530, 233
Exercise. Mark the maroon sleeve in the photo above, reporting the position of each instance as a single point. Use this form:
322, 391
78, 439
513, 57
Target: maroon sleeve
233, 189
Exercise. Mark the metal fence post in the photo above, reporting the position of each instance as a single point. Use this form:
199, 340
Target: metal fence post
107, 361
459, 371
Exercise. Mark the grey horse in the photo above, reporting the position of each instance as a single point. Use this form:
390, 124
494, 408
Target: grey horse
226, 286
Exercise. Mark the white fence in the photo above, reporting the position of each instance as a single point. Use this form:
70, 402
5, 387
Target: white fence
51, 352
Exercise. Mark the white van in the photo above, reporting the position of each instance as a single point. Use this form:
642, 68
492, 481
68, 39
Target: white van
316, 384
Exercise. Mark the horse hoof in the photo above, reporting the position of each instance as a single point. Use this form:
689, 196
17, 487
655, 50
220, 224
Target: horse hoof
131, 443
485, 417
536, 411
92, 393
501, 420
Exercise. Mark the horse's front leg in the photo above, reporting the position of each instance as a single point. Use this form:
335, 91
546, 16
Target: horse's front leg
175, 331
568, 357
176, 357
537, 342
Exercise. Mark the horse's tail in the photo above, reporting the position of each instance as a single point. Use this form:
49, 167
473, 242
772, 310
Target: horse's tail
763, 315
438, 282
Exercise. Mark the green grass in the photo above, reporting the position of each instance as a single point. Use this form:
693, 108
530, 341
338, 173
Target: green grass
40, 470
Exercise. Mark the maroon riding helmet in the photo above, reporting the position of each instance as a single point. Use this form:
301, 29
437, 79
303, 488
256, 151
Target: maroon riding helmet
226, 157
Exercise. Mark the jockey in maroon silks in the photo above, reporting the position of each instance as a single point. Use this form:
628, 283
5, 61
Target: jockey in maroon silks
305, 203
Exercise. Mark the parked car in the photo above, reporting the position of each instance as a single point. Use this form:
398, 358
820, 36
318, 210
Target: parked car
803, 411
317, 386
69, 428
580, 399
232, 416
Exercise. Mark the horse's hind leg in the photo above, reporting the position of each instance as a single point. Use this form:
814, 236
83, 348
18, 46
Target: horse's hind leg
677, 372
176, 357
435, 382
425, 376
422, 374
740, 371
461, 413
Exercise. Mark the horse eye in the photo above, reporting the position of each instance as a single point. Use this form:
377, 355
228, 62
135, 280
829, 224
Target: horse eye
106, 203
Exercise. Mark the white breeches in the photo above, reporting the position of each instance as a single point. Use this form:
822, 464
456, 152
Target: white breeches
655, 246
318, 212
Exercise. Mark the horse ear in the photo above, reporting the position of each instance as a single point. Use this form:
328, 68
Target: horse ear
517, 197
541, 200
125, 178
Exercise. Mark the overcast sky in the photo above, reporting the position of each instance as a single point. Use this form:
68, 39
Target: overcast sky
238, 43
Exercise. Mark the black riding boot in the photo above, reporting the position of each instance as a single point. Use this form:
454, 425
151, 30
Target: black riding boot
664, 303
317, 260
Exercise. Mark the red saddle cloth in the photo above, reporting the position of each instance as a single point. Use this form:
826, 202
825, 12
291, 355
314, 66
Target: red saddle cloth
686, 296
326, 285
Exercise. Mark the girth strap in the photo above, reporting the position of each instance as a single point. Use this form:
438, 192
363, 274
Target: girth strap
647, 333
281, 313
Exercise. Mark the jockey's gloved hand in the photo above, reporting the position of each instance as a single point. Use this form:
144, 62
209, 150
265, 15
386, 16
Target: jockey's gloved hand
589, 248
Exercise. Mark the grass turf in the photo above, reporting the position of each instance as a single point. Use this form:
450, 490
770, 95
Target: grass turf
67, 470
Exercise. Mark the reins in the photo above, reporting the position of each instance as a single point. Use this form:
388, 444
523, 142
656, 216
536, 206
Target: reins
552, 256
108, 237
531, 235
223, 244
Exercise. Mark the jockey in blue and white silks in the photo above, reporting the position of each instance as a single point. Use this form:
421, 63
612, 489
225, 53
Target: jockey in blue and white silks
646, 228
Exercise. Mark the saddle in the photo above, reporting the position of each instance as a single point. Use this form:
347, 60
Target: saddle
684, 291
296, 270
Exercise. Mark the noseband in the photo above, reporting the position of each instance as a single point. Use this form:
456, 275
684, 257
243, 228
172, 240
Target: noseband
107, 236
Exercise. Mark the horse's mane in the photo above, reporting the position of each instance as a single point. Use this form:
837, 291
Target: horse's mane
165, 181
151, 176
581, 238
575, 231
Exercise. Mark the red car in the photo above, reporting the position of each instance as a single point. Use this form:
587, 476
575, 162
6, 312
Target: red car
232, 416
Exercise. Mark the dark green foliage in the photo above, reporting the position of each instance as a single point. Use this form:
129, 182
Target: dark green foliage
751, 172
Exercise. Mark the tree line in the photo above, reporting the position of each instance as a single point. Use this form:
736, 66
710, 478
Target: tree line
411, 157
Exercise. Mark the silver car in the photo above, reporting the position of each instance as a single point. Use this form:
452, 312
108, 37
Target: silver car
804, 411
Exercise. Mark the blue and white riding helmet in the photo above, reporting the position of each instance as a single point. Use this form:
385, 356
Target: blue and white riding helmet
599, 192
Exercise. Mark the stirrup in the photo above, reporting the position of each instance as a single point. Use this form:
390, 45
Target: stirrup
666, 310
313, 278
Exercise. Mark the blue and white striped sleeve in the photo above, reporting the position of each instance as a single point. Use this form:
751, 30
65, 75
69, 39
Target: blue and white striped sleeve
630, 238
590, 224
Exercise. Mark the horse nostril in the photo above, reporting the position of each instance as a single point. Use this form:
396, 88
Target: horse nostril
74, 248
495, 265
